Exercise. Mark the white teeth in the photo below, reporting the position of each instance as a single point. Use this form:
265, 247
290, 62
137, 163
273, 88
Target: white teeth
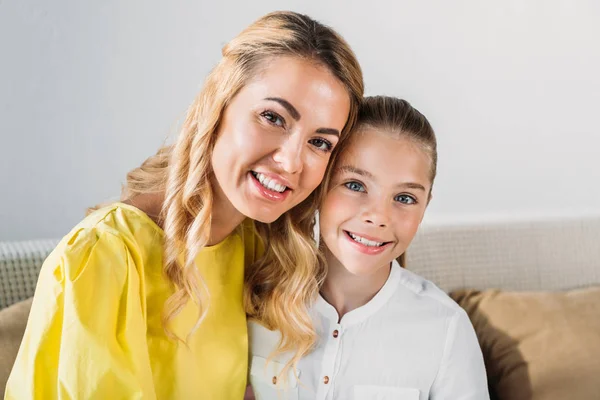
364, 241
268, 183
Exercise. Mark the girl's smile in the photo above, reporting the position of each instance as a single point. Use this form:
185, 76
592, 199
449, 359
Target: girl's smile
367, 244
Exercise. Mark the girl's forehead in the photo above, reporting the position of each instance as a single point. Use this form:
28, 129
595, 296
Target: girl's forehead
380, 142
386, 155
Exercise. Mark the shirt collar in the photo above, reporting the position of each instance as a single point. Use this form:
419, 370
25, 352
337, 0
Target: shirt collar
361, 313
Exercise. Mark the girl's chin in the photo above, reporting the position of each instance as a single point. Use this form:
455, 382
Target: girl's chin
362, 270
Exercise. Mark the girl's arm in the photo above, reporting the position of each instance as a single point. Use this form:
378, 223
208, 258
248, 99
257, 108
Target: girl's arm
85, 337
249, 395
462, 373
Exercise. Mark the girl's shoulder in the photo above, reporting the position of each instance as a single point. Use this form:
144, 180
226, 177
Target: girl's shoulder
425, 292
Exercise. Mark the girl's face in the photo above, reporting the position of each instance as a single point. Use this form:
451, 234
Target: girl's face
276, 136
378, 195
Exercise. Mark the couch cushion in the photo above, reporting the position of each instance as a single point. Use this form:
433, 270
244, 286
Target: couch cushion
549, 254
12, 326
538, 345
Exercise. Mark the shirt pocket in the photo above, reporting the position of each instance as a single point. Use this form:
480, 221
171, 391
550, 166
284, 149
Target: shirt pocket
269, 384
373, 392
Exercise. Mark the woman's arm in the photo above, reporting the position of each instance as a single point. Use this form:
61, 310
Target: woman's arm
85, 337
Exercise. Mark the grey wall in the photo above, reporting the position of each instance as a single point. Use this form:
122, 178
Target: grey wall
89, 89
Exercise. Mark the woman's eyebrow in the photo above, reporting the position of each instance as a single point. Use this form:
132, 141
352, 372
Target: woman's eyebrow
296, 115
328, 131
287, 105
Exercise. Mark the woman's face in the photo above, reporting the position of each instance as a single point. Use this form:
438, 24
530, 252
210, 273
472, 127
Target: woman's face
276, 136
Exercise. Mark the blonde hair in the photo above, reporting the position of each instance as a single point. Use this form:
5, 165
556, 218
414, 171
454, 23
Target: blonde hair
278, 284
397, 117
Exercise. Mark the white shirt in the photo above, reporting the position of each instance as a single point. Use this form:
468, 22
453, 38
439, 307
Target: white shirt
410, 342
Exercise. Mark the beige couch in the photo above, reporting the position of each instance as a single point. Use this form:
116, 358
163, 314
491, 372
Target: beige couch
551, 256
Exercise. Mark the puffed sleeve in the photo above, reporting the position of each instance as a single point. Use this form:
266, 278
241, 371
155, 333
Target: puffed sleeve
462, 373
86, 333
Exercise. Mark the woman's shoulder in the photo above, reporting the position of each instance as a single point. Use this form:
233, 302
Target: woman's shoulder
120, 218
108, 236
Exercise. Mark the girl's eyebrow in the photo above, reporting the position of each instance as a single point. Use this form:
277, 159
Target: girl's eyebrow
412, 185
367, 174
354, 170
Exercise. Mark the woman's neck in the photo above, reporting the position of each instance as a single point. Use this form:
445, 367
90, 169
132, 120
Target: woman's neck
150, 204
346, 291
225, 217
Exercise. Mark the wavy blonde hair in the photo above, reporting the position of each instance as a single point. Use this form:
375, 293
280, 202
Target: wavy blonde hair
278, 285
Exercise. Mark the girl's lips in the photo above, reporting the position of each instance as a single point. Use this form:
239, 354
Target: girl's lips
369, 250
266, 193
371, 238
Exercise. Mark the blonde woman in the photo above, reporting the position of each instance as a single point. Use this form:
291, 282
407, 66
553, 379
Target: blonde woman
381, 332
143, 299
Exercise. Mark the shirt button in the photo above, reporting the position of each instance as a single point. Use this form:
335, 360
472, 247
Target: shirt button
274, 380
326, 380
336, 333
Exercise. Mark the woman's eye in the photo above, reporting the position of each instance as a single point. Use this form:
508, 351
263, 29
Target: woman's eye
405, 199
322, 144
355, 186
273, 118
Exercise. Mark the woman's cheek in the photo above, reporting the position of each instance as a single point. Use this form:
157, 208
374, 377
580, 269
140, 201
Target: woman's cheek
318, 164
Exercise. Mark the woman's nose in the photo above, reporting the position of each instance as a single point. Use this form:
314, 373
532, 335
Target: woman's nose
290, 155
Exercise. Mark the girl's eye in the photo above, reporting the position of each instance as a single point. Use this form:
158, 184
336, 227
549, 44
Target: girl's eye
355, 186
273, 118
405, 199
322, 144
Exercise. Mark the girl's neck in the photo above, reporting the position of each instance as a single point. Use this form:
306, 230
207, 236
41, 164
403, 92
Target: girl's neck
346, 291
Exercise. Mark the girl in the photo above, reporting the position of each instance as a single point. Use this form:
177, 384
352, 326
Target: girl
143, 299
383, 332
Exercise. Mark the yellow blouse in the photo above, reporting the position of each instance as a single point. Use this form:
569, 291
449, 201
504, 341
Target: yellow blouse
95, 328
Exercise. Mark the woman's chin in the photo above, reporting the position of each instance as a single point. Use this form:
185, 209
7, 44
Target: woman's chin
264, 216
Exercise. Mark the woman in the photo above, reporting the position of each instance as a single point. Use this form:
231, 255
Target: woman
143, 299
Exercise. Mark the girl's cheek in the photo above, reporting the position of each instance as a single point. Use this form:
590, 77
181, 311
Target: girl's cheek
346, 200
336, 204
410, 223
